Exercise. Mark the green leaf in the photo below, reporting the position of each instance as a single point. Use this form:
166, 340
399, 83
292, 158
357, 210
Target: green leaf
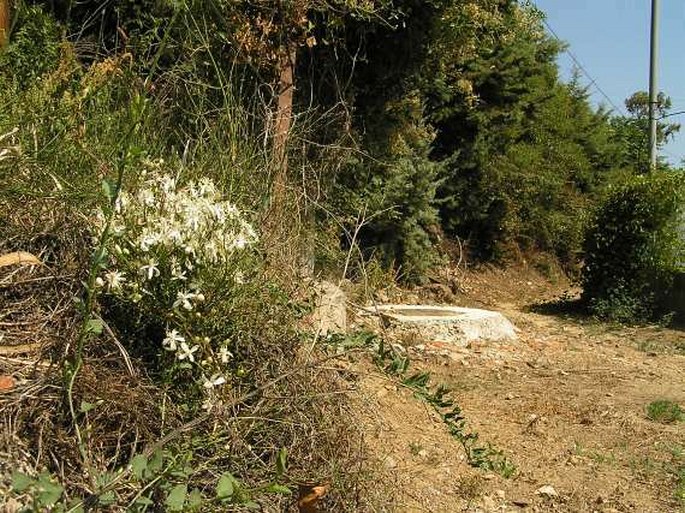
86, 407
75, 506
155, 464
144, 501
139, 466
108, 188
281, 489
49, 492
94, 326
177, 497
107, 498
195, 500
20, 481
281, 461
226, 486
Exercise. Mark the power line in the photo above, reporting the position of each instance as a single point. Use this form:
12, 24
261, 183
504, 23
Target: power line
593, 81
576, 61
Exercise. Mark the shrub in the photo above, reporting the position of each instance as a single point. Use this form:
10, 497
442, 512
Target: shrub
634, 247
35, 45
174, 252
665, 411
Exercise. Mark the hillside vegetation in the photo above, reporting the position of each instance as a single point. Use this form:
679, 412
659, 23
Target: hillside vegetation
182, 169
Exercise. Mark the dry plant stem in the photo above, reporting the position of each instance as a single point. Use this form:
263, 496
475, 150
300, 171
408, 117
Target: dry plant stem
361, 221
188, 426
73, 367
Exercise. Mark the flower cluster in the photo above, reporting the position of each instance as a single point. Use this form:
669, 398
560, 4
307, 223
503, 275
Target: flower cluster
166, 240
7, 150
162, 216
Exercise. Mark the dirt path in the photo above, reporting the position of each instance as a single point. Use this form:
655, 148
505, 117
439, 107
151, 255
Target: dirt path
566, 403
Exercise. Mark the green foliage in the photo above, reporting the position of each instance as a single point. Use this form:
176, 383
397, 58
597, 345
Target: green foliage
35, 47
634, 247
394, 198
521, 151
483, 456
629, 137
665, 411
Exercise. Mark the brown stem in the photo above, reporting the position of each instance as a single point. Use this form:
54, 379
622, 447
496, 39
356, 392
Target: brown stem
4, 22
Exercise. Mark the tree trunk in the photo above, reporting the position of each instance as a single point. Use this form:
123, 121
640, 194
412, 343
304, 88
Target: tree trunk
286, 89
4, 22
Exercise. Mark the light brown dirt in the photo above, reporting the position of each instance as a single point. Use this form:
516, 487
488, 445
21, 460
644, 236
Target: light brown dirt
566, 403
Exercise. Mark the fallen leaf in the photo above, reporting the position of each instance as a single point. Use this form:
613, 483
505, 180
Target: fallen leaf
6, 383
309, 497
18, 257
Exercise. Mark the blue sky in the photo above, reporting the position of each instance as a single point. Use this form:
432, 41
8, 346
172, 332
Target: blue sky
611, 40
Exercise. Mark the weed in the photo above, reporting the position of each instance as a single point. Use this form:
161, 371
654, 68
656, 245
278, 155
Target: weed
415, 448
482, 456
665, 411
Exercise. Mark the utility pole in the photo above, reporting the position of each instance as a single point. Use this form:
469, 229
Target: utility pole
653, 84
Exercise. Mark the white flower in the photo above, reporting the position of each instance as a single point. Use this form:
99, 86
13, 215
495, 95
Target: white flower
224, 354
150, 270
176, 272
239, 278
183, 300
215, 381
240, 242
146, 197
208, 404
173, 338
206, 187
186, 351
99, 282
121, 203
148, 239
114, 279
193, 216
167, 183
217, 211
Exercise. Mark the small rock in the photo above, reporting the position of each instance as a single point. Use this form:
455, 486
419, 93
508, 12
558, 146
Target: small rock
547, 491
12, 506
390, 462
489, 503
500, 494
423, 453
509, 397
521, 503
489, 477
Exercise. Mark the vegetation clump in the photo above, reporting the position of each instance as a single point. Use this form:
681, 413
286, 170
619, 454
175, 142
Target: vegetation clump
665, 411
635, 247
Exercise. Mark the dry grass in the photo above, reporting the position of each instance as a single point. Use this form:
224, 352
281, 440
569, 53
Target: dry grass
296, 398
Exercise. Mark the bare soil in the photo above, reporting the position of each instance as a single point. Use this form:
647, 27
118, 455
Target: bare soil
566, 403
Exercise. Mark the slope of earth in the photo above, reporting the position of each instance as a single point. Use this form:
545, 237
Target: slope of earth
566, 403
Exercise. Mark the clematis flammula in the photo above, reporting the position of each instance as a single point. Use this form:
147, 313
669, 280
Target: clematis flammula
224, 354
114, 279
214, 381
173, 338
150, 270
187, 352
183, 300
